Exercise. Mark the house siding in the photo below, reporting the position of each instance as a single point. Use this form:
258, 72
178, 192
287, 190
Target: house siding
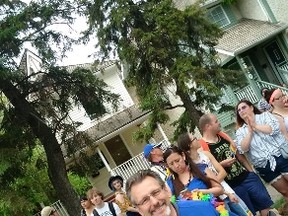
112, 79
251, 9
279, 9
134, 147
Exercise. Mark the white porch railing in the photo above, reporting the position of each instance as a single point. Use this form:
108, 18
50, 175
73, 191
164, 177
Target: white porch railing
248, 93
135, 164
262, 84
58, 206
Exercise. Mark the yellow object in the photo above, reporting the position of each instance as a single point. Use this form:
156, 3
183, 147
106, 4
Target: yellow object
123, 205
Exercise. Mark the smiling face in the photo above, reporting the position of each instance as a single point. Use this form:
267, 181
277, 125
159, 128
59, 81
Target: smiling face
151, 199
176, 163
96, 199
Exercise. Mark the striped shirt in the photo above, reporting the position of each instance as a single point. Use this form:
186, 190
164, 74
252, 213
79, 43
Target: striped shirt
262, 146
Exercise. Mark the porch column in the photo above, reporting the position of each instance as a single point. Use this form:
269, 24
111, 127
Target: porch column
267, 10
105, 162
250, 79
163, 133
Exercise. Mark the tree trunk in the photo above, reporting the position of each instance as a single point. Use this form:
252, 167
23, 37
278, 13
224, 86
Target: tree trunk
193, 113
56, 164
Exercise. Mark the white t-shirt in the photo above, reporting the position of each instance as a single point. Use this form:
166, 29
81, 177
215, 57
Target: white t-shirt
205, 160
160, 171
105, 211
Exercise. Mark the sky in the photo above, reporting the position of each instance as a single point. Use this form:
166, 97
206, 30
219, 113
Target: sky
79, 53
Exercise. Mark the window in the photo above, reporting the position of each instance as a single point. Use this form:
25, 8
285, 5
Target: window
218, 16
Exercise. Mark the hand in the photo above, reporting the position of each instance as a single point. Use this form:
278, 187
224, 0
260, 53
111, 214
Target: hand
251, 123
233, 198
228, 162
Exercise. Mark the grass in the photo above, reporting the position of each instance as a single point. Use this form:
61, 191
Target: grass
278, 203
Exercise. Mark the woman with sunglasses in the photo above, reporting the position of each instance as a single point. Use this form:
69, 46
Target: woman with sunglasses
188, 143
258, 135
279, 103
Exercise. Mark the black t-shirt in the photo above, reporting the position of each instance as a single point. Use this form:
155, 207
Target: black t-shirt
221, 151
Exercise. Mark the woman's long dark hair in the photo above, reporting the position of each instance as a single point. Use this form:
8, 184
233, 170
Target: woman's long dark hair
193, 168
184, 142
239, 120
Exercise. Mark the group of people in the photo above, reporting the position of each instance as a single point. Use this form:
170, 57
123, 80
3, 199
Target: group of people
216, 164
212, 176
93, 203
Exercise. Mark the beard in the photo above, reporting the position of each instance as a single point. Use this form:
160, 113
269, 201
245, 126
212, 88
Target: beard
166, 209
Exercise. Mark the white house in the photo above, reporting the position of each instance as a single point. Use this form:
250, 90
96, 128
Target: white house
112, 132
255, 41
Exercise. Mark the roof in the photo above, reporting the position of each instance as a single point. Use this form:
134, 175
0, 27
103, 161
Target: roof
246, 34
92, 66
116, 122
181, 5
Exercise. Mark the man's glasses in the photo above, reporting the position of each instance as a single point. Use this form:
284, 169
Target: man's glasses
155, 193
279, 98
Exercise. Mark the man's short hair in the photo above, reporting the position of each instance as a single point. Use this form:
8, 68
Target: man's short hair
138, 178
204, 120
93, 192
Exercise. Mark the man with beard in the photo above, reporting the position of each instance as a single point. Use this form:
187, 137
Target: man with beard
149, 193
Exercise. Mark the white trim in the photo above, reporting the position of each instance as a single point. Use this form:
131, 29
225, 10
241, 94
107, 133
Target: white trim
223, 13
225, 52
162, 132
104, 160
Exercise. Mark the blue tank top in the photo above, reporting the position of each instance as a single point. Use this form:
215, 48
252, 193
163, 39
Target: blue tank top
195, 183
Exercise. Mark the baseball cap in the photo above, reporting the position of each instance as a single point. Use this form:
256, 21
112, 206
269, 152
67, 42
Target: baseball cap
149, 147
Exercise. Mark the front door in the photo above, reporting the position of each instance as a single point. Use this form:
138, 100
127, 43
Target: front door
118, 150
276, 58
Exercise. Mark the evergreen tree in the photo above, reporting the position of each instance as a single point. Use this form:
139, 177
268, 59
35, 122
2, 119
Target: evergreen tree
163, 46
39, 104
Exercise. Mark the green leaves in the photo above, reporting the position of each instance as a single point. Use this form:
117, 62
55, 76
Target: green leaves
163, 47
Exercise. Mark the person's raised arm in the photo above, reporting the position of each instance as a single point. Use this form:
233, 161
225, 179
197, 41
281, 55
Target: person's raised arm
216, 188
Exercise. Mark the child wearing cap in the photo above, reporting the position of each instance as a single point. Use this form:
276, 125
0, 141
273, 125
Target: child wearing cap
115, 183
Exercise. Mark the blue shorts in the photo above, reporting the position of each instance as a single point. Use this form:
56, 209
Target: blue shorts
281, 168
253, 193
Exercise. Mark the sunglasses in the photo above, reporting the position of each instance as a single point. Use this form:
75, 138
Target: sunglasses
242, 108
